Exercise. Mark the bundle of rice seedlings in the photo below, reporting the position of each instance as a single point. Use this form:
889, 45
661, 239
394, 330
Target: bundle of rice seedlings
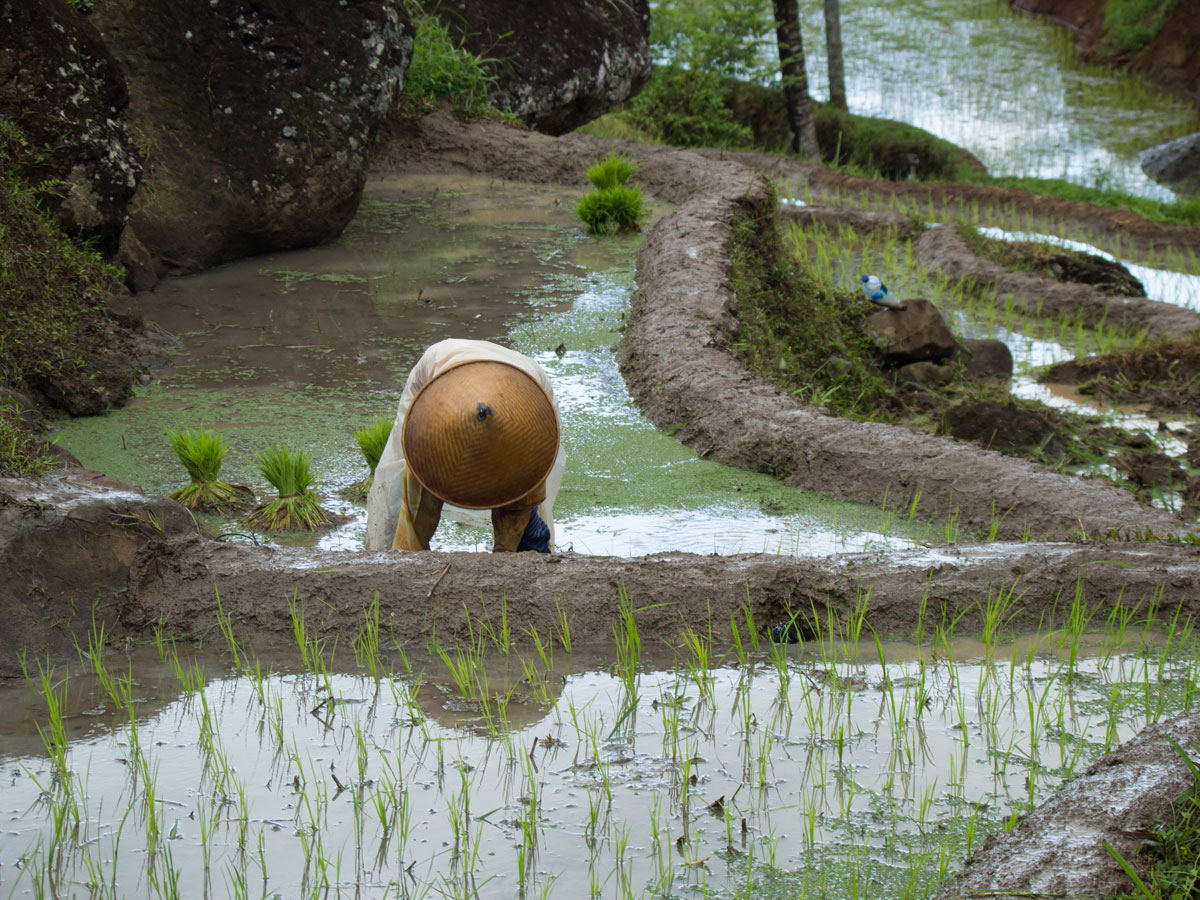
612, 210
201, 453
372, 438
613, 206
296, 508
611, 171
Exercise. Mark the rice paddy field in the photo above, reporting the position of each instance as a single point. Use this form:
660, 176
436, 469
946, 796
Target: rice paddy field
809, 757
1009, 87
839, 255
717, 763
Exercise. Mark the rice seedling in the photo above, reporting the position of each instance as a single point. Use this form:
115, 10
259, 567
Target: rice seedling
201, 453
562, 625
366, 644
612, 210
371, 438
615, 169
296, 508
877, 751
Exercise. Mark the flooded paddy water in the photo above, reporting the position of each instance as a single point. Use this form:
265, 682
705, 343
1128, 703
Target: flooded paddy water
1009, 87
301, 348
712, 765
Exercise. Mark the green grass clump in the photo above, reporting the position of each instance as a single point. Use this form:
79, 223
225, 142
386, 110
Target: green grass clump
296, 508
1183, 211
882, 148
686, 108
1129, 25
201, 454
795, 330
612, 210
611, 171
21, 454
372, 439
53, 311
444, 70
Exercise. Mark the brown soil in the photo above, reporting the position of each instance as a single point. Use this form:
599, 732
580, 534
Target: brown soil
945, 250
85, 548
1165, 375
80, 549
1068, 266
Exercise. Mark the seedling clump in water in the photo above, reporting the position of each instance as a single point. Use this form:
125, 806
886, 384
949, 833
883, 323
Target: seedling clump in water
296, 507
201, 453
372, 439
613, 207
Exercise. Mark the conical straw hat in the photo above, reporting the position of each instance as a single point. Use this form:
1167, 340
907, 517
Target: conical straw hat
481, 435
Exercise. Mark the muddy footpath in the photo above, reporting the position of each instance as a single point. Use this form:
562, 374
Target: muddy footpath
81, 550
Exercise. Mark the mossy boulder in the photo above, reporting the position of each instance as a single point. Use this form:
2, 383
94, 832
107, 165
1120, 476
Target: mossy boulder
558, 65
62, 88
256, 118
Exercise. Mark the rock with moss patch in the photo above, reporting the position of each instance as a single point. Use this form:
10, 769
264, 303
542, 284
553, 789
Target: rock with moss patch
929, 374
985, 358
63, 89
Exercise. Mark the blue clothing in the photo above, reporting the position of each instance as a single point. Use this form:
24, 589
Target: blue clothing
536, 536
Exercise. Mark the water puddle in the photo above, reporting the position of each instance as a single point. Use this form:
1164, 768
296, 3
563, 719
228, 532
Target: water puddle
300, 348
475, 771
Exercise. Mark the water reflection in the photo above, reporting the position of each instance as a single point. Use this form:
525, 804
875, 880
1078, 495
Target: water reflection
474, 768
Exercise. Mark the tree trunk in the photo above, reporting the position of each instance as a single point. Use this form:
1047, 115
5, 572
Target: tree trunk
795, 79
833, 48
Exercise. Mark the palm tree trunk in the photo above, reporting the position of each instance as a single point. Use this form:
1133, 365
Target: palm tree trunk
833, 48
795, 79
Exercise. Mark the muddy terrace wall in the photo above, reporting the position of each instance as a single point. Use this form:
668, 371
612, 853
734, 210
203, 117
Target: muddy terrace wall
84, 551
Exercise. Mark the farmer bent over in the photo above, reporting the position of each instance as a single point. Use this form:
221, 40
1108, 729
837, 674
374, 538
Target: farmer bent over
477, 428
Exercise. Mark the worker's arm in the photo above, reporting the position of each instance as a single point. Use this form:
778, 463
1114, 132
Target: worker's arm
420, 513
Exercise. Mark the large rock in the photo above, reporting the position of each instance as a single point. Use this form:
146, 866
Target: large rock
1175, 164
65, 92
558, 63
913, 334
255, 117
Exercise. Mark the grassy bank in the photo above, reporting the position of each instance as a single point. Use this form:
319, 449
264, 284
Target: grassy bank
53, 316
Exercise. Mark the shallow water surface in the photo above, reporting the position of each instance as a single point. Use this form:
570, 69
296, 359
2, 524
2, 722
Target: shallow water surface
478, 771
1008, 87
300, 348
